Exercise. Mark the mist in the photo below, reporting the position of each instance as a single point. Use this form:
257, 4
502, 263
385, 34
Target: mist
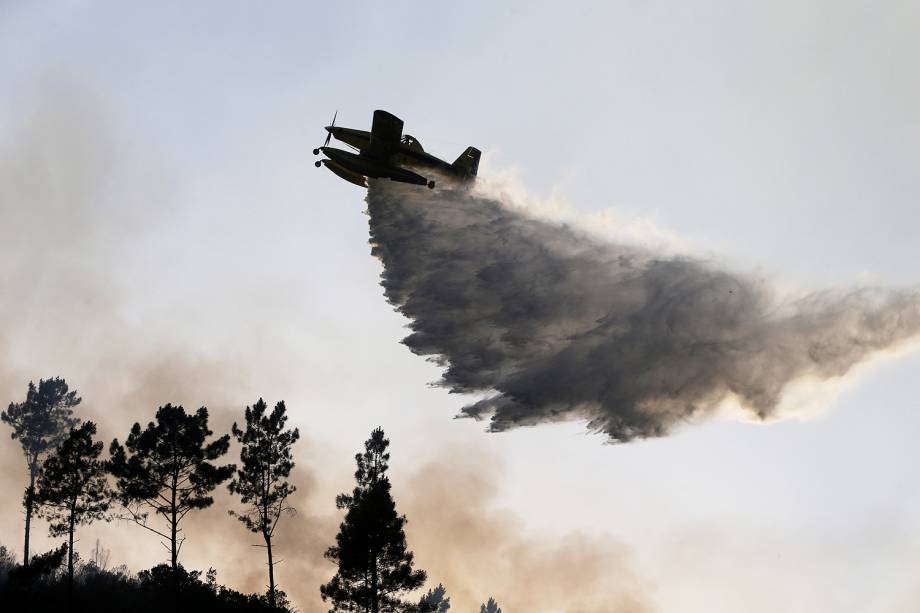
89, 252
467, 540
96, 243
551, 323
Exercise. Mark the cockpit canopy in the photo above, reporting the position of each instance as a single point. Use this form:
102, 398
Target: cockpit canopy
411, 142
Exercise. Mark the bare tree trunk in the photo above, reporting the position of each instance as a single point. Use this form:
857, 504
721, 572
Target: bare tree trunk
174, 550
70, 559
174, 554
30, 499
271, 572
375, 596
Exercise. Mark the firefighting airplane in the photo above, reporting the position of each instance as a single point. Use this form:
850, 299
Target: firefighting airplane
385, 152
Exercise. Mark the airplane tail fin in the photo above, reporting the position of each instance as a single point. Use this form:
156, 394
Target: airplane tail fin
468, 162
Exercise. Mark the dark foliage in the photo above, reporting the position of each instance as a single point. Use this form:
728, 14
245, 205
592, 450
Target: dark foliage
73, 488
167, 468
40, 423
261, 481
40, 571
435, 601
374, 564
490, 607
42, 587
7, 563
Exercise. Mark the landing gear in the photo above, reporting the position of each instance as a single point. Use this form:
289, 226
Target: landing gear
431, 185
316, 151
317, 163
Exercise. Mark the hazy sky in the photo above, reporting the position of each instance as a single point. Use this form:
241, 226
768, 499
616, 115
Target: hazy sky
164, 237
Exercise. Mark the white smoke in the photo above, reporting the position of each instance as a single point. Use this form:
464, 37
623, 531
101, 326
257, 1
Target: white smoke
555, 324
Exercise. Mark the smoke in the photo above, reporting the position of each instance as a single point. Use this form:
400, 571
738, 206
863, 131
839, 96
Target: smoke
464, 539
298, 544
86, 240
103, 281
554, 324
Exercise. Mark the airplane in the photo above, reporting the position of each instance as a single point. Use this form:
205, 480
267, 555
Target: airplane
385, 153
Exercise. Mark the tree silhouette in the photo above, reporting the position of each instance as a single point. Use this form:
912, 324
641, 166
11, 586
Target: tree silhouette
99, 557
40, 423
42, 569
41, 587
490, 607
73, 488
374, 565
261, 481
167, 469
434, 601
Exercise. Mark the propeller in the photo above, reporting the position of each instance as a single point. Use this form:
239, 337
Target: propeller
329, 135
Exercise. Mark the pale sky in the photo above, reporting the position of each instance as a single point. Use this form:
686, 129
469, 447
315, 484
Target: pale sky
174, 175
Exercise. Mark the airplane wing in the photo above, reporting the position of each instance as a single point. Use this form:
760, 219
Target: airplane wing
386, 131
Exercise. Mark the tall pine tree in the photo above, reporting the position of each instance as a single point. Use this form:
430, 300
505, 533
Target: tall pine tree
73, 487
261, 480
40, 423
374, 564
167, 468
435, 601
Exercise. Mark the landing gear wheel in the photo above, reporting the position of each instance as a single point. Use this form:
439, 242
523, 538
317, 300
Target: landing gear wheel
316, 151
431, 185
317, 163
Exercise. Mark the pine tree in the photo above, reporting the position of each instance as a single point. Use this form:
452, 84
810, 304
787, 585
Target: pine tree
374, 565
40, 423
168, 469
490, 607
261, 481
434, 601
73, 489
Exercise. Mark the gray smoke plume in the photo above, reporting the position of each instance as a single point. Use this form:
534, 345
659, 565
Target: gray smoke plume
558, 325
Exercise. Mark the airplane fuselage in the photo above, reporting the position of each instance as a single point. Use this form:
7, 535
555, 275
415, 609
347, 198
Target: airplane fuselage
404, 154
386, 153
